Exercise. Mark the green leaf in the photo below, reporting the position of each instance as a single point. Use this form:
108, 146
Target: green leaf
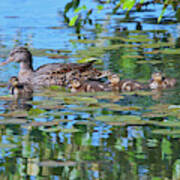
128, 4
100, 7
80, 8
163, 11
73, 20
36, 112
68, 6
84, 60
161, 15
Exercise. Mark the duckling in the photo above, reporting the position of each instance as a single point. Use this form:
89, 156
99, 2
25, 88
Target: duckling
77, 85
124, 85
158, 81
19, 89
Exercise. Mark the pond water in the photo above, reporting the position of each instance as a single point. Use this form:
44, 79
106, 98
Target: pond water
60, 135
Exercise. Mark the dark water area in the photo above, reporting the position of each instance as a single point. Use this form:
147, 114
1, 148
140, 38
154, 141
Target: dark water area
107, 135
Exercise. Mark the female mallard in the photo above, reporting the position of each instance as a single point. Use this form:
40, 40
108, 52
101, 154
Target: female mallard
49, 74
18, 89
77, 85
124, 85
158, 81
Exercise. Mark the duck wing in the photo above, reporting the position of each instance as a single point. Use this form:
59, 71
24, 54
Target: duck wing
55, 73
64, 67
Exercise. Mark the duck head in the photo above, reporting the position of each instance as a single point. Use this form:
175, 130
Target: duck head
13, 81
75, 84
19, 54
158, 77
157, 81
114, 79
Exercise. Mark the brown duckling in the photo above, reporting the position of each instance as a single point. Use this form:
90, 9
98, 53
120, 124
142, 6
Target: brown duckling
18, 89
124, 85
158, 81
48, 74
77, 85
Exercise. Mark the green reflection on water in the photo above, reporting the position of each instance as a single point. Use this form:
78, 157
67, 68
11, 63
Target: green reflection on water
103, 135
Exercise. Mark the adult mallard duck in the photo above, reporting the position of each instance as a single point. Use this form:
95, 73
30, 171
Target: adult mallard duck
48, 74
77, 85
159, 81
18, 89
124, 85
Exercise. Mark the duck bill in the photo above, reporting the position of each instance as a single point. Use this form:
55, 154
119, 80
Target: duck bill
7, 61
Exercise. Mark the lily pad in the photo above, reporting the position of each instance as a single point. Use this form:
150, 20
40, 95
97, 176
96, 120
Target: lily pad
116, 107
37, 124
120, 118
50, 107
16, 114
5, 146
52, 163
50, 129
80, 100
171, 51
114, 97
85, 108
56, 56
159, 107
133, 56
166, 131
61, 113
58, 129
86, 123
13, 121
86, 41
149, 62
169, 123
47, 104
154, 115
152, 52
174, 107
157, 45
36, 112
6, 98
117, 46
72, 130
90, 52
140, 93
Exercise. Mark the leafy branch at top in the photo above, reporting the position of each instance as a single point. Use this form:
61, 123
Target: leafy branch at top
78, 15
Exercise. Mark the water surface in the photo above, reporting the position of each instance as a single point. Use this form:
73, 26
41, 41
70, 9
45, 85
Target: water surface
60, 135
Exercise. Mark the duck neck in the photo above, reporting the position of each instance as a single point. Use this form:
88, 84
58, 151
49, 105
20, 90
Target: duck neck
26, 67
25, 73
